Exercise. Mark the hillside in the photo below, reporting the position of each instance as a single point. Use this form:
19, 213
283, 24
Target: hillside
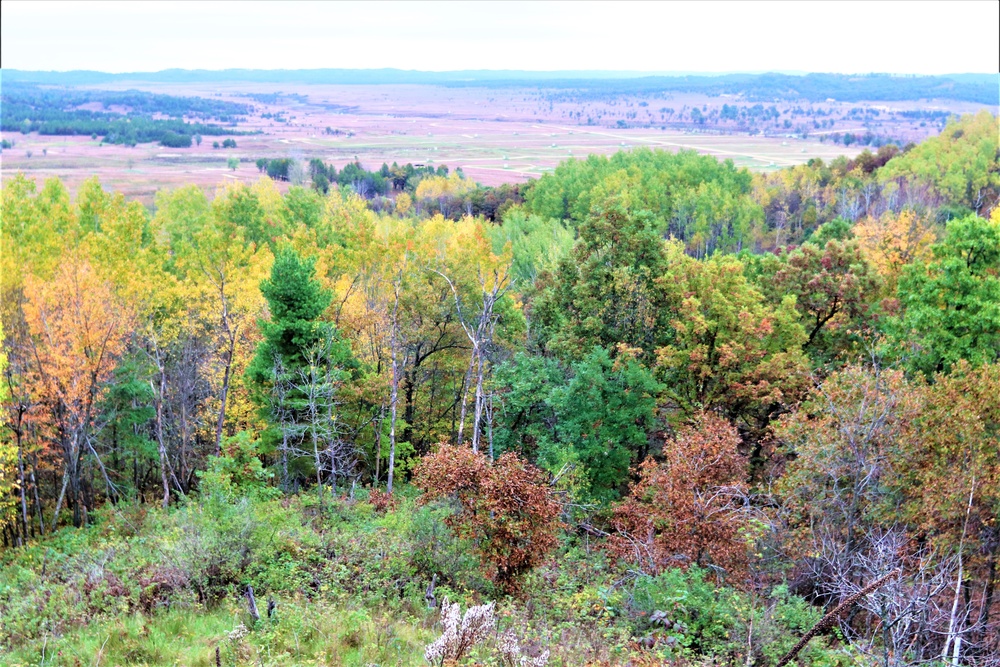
650, 408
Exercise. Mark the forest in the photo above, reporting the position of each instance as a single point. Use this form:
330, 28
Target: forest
29, 108
648, 409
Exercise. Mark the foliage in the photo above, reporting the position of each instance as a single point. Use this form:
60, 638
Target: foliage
732, 351
606, 292
504, 507
960, 165
691, 197
595, 422
800, 388
951, 305
688, 509
834, 288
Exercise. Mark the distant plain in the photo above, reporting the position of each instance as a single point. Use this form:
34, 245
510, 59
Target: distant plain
496, 135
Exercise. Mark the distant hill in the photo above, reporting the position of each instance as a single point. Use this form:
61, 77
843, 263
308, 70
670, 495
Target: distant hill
980, 88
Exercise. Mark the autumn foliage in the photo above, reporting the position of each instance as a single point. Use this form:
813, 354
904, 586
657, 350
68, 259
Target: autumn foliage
505, 507
687, 509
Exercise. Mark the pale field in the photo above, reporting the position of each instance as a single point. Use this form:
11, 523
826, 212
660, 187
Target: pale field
495, 135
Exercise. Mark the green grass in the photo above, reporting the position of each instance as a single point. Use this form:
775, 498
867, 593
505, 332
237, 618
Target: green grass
300, 633
143, 586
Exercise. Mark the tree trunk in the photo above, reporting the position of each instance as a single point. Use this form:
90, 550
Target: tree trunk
222, 402
22, 488
62, 496
393, 395
34, 493
162, 448
394, 390
466, 383
478, 415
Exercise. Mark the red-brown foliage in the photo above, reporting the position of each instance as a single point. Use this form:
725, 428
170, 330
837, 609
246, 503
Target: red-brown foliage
506, 508
382, 501
689, 508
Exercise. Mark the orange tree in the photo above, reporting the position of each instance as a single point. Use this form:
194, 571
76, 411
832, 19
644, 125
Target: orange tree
505, 508
688, 509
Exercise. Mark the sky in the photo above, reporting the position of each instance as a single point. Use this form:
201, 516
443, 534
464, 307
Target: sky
846, 37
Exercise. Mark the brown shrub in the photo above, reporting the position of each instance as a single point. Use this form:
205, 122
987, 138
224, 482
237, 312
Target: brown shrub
505, 507
689, 509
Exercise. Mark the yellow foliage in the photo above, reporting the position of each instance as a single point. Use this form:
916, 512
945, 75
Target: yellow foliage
8, 457
403, 203
436, 187
893, 241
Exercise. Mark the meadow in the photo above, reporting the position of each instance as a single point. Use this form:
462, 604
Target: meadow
502, 135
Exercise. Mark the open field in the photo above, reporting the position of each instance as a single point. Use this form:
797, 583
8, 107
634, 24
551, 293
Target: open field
495, 135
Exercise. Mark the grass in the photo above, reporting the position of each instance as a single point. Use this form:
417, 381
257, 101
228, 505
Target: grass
144, 586
301, 633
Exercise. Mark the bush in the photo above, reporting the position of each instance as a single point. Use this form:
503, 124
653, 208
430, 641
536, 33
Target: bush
504, 507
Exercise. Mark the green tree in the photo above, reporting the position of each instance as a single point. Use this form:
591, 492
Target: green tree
960, 165
607, 291
594, 415
297, 372
833, 286
604, 415
732, 352
951, 305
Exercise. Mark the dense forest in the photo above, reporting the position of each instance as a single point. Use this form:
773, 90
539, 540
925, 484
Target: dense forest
649, 409
128, 117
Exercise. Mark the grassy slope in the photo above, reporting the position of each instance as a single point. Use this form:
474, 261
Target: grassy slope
142, 586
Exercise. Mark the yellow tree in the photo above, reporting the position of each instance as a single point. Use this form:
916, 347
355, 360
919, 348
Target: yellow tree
222, 272
8, 457
892, 241
478, 279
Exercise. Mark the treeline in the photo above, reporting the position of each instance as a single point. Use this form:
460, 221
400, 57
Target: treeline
788, 380
712, 206
773, 86
57, 112
405, 190
766, 87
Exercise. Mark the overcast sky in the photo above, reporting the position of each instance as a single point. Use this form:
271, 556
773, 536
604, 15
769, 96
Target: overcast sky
851, 37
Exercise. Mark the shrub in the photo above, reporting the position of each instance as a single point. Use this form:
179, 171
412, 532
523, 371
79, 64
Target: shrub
505, 508
688, 510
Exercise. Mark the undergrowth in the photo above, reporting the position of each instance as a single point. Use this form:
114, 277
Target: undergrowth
143, 586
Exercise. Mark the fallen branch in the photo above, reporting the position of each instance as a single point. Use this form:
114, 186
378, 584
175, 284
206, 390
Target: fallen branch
832, 617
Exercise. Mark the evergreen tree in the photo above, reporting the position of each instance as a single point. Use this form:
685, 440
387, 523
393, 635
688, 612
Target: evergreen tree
298, 371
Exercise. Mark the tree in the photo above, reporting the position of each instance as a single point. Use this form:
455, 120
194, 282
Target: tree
951, 306
505, 507
959, 165
691, 508
833, 288
78, 330
607, 290
732, 352
233, 163
890, 242
604, 415
8, 457
224, 272
300, 363
886, 472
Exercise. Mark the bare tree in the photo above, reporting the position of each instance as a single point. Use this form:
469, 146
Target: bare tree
493, 284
